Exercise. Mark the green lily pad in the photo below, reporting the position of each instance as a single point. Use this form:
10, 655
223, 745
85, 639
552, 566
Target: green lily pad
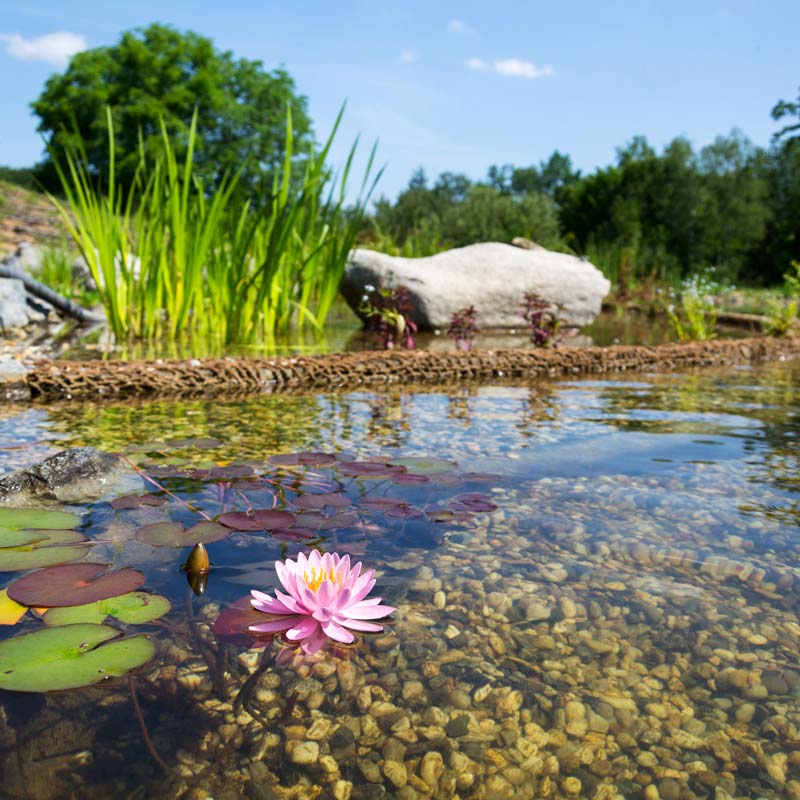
424, 466
133, 608
17, 518
68, 657
35, 549
173, 534
73, 585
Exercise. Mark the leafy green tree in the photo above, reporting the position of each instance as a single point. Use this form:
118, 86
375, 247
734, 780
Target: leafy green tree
159, 73
787, 109
734, 207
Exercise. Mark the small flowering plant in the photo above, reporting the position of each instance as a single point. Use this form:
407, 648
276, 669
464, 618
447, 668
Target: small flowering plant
463, 327
325, 598
387, 312
543, 323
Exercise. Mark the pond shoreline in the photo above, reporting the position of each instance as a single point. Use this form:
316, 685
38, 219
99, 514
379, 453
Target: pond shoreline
97, 380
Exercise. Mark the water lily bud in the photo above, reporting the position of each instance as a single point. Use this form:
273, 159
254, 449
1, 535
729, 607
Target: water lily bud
198, 562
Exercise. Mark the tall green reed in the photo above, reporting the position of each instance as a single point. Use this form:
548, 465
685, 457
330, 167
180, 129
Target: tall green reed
173, 258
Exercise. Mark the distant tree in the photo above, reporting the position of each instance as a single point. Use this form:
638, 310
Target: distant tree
734, 207
787, 109
158, 73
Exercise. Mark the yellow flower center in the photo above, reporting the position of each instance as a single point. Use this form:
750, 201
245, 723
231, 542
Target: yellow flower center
316, 578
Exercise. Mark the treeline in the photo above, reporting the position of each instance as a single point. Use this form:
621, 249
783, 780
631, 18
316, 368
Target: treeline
731, 206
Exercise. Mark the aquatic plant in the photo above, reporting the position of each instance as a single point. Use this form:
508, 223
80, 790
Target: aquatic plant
171, 257
543, 322
463, 327
326, 597
387, 313
692, 310
783, 313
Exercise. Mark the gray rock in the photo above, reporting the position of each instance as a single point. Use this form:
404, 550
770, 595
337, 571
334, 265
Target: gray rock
13, 379
491, 276
28, 257
71, 476
13, 304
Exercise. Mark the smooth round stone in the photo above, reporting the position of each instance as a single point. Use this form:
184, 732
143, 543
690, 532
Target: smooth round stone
396, 773
431, 768
568, 608
305, 753
574, 711
745, 713
537, 612
439, 600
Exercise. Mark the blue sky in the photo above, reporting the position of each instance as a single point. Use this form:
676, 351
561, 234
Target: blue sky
459, 85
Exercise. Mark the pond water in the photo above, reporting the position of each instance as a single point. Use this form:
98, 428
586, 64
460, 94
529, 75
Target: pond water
342, 333
596, 585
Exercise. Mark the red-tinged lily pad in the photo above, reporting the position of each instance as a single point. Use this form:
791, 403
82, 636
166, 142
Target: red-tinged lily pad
421, 465
293, 534
369, 469
382, 502
325, 522
42, 549
17, 518
404, 512
233, 624
137, 501
482, 477
231, 472
165, 472
260, 519
473, 502
319, 501
410, 480
73, 585
302, 459
68, 657
173, 534
134, 608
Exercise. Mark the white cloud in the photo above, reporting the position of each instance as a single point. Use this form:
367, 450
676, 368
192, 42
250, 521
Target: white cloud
54, 48
408, 57
511, 66
457, 26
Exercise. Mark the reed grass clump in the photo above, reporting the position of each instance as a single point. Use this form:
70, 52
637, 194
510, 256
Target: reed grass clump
172, 257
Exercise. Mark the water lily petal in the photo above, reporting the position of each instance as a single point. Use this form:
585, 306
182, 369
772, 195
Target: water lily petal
273, 625
313, 644
306, 626
361, 625
366, 610
335, 631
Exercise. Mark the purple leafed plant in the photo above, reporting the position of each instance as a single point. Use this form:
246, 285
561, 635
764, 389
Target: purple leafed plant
463, 327
387, 313
542, 321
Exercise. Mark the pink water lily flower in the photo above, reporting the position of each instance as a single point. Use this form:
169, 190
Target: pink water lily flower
325, 598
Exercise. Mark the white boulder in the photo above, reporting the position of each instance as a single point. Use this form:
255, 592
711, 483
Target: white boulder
491, 276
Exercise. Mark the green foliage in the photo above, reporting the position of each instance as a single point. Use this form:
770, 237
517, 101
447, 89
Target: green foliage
19, 176
57, 273
693, 312
783, 313
158, 76
455, 212
171, 256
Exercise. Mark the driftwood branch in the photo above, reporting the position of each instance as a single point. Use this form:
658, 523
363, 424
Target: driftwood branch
37, 289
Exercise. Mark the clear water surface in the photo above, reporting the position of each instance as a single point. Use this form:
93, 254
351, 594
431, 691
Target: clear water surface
623, 624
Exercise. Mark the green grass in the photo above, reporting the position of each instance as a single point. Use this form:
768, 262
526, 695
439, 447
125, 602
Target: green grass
172, 258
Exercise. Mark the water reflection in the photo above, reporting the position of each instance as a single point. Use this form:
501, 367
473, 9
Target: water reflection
624, 625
